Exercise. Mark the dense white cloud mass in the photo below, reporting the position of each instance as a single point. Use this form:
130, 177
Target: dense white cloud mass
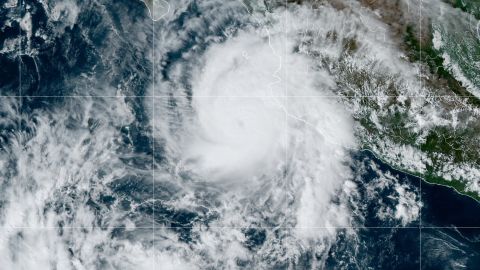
246, 132
64, 162
263, 127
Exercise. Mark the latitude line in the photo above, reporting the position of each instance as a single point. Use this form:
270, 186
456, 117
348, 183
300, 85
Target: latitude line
278, 96
239, 227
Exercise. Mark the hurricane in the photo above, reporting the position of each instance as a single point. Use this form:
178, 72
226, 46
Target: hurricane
238, 135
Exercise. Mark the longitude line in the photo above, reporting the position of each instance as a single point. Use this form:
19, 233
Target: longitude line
153, 133
19, 109
285, 80
20, 54
20, 67
421, 88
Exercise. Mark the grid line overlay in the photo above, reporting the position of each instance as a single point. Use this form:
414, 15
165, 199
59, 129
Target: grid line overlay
154, 97
275, 97
240, 227
420, 184
287, 145
153, 133
20, 66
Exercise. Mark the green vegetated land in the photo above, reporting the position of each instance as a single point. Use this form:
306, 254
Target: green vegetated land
390, 121
468, 6
445, 144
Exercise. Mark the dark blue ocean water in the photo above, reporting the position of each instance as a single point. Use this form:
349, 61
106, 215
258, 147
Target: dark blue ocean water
447, 232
